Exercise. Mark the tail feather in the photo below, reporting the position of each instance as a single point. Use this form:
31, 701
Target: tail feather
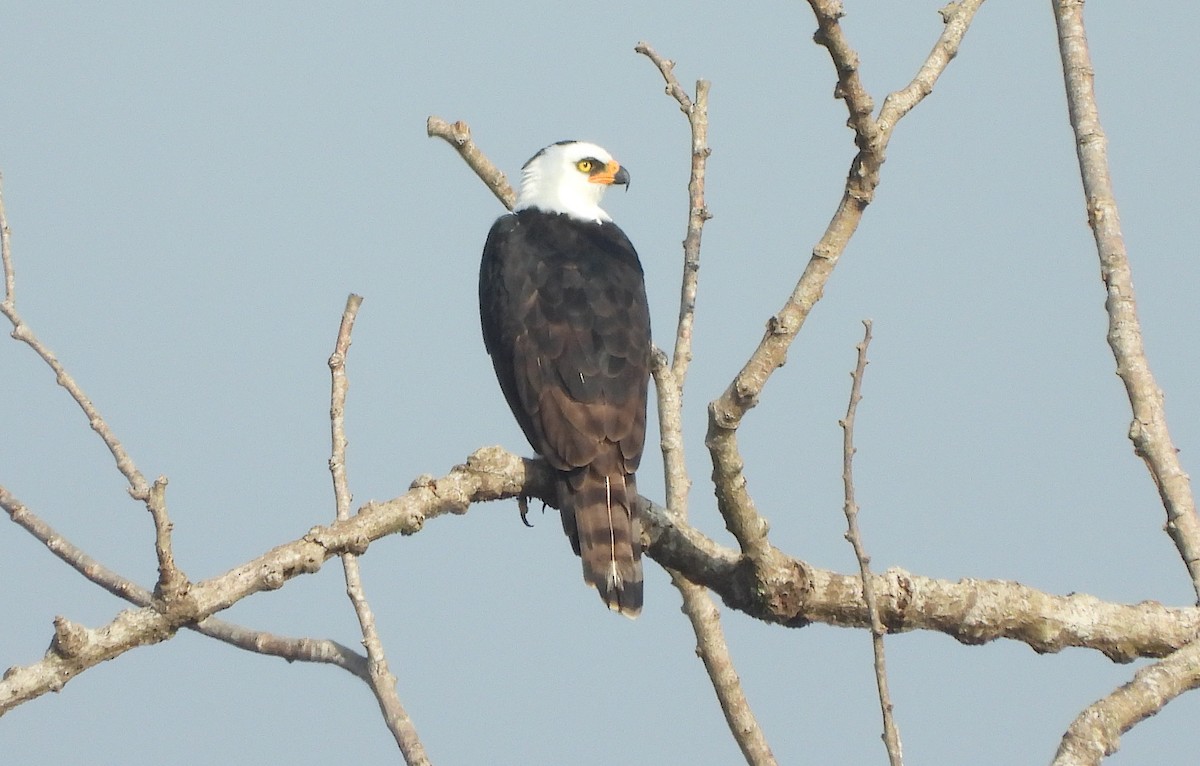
600, 517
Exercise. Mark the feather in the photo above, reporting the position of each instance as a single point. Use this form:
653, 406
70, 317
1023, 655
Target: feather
600, 519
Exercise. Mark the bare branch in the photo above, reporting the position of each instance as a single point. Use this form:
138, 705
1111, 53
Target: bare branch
291, 649
670, 433
137, 483
381, 680
697, 115
172, 582
1148, 431
792, 593
891, 734
138, 487
670, 376
789, 592
8, 306
871, 137
669, 381
667, 68
476, 481
337, 409
319, 650
1097, 731
71, 554
956, 17
714, 653
458, 135
850, 87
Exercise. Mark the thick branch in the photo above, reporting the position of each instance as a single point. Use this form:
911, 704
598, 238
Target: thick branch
1148, 431
792, 593
971, 611
850, 87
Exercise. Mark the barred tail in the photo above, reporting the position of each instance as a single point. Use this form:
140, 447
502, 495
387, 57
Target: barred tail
599, 515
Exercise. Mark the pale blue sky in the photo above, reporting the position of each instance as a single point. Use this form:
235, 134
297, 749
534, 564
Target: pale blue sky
194, 190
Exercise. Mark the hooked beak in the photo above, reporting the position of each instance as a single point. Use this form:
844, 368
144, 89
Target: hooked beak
611, 174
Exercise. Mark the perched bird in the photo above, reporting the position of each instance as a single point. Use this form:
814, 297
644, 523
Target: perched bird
563, 306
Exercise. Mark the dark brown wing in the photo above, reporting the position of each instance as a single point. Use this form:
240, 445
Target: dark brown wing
566, 322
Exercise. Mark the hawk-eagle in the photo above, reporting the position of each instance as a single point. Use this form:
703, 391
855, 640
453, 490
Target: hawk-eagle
563, 306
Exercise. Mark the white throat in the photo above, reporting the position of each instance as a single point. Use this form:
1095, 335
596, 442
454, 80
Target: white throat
558, 195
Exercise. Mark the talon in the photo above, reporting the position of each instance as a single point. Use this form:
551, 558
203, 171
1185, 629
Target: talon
523, 505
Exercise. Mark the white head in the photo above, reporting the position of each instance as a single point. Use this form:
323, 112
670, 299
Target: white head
569, 177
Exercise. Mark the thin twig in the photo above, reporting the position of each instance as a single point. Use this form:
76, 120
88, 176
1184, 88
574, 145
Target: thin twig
138, 487
10, 277
382, 680
137, 483
669, 380
956, 17
337, 411
696, 112
1096, 732
1148, 431
891, 734
71, 554
671, 375
458, 135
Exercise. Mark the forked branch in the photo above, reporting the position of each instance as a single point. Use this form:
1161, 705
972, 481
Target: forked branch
380, 678
669, 379
171, 590
872, 137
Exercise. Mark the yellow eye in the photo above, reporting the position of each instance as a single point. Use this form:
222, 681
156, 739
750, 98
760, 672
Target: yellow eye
584, 166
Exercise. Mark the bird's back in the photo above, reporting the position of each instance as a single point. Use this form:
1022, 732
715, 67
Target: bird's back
566, 322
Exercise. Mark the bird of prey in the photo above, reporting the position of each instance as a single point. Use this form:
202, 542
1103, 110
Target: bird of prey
563, 306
